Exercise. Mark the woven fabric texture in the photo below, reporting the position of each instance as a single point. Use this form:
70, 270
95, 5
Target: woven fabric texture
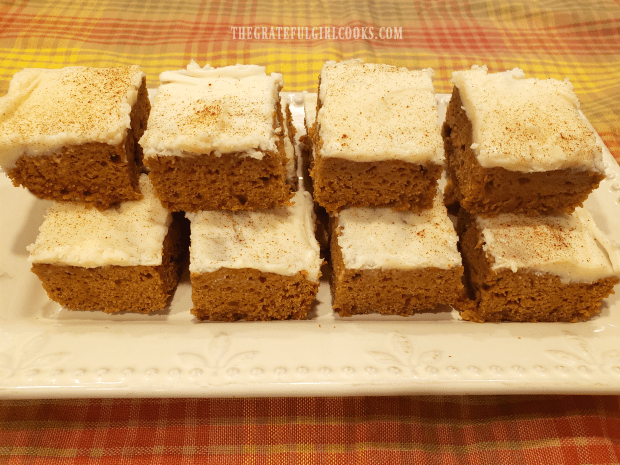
355, 430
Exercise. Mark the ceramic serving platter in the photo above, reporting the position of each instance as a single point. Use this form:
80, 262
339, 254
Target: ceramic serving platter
47, 351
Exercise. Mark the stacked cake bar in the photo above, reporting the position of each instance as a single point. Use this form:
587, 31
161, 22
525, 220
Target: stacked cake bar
71, 134
517, 145
216, 139
377, 156
376, 141
254, 265
520, 162
126, 258
394, 262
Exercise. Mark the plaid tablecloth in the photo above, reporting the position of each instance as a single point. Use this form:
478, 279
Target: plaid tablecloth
354, 430
547, 38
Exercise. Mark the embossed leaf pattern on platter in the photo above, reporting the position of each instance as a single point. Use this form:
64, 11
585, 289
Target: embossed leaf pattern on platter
27, 357
216, 357
404, 354
579, 353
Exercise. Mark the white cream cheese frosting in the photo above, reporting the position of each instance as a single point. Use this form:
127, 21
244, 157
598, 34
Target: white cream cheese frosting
373, 112
381, 238
289, 149
526, 125
309, 101
129, 235
47, 109
214, 110
569, 246
278, 241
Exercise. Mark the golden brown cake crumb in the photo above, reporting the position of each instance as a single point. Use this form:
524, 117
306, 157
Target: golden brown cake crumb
233, 294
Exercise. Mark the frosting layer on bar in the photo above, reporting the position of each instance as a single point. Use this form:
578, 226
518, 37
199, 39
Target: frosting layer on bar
372, 112
570, 246
214, 110
372, 238
47, 109
129, 235
309, 100
278, 241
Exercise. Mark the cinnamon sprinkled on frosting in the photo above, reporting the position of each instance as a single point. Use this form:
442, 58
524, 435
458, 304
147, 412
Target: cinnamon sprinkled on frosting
45, 109
570, 246
372, 238
214, 110
129, 235
280, 240
373, 112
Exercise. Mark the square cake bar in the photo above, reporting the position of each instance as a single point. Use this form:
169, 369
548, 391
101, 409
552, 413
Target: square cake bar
546, 268
71, 134
261, 265
394, 262
377, 140
517, 145
215, 139
126, 258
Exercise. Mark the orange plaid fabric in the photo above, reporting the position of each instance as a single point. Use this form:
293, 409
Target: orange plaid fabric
355, 430
579, 40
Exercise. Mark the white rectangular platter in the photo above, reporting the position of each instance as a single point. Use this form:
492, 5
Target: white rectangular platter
49, 352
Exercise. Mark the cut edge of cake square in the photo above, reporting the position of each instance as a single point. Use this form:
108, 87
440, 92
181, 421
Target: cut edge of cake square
127, 258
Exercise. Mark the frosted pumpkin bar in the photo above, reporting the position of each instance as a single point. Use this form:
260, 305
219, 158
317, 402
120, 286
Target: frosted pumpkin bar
254, 265
125, 258
377, 141
216, 139
518, 145
546, 268
71, 133
394, 262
